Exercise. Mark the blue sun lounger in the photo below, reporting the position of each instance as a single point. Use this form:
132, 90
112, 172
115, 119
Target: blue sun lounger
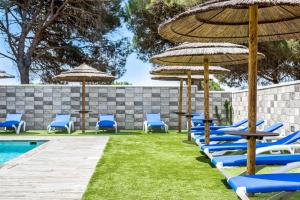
154, 121
13, 121
278, 181
106, 121
197, 120
243, 146
228, 138
223, 131
61, 121
235, 125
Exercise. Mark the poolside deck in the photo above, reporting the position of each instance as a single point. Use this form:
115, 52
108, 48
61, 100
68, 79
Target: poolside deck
59, 169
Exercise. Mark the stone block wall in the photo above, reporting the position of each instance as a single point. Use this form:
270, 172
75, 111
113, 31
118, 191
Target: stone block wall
276, 103
129, 104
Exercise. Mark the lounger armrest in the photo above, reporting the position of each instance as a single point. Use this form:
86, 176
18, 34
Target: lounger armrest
287, 168
291, 148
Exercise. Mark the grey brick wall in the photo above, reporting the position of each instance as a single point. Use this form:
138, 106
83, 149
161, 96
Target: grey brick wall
40, 103
276, 103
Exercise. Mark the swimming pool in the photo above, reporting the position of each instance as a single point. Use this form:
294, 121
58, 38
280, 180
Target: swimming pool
12, 149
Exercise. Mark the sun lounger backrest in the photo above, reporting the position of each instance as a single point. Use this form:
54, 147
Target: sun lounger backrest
273, 127
240, 123
153, 117
258, 123
63, 117
290, 139
14, 117
107, 117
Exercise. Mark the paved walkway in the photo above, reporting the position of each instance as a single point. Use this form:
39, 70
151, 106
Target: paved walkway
59, 169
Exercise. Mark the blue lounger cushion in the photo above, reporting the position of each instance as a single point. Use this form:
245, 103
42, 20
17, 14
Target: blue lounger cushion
9, 124
262, 183
218, 138
57, 124
154, 120
243, 146
106, 121
61, 121
11, 120
261, 159
229, 129
237, 124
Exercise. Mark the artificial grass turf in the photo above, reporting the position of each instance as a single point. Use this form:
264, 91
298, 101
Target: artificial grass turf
155, 166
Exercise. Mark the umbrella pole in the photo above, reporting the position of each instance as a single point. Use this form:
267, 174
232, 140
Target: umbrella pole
180, 106
252, 82
83, 106
189, 105
206, 100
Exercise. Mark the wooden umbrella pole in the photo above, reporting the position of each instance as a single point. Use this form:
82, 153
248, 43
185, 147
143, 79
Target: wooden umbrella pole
252, 82
206, 101
180, 106
189, 104
83, 106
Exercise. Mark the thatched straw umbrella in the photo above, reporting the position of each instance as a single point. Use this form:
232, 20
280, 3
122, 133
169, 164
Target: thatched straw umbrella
238, 21
196, 54
84, 73
3, 74
189, 71
180, 78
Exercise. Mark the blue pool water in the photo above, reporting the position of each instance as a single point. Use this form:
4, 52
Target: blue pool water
12, 149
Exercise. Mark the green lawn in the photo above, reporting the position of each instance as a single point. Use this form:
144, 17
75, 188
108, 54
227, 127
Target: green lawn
155, 166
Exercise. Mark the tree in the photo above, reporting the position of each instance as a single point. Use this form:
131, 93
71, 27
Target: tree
47, 37
281, 64
144, 17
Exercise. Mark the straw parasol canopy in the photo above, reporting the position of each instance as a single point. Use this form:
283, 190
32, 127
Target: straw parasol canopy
194, 54
84, 73
177, 78
3, 74
228, 20
183, 70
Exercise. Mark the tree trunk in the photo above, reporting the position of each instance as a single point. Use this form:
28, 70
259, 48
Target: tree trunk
24, 67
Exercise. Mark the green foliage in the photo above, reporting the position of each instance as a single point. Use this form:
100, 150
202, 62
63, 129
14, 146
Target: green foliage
228, 113
45, 38
281, 64
218, 115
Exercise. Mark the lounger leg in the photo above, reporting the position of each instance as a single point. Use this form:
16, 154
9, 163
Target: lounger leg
24, 126
49, 129
241, 192
97, 129
116, 129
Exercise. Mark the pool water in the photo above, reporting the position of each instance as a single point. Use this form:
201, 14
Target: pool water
12, 149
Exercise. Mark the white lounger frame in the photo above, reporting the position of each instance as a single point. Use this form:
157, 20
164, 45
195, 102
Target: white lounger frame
146, 127
242, 193
115, 127
69, 128
276, 148
19, 127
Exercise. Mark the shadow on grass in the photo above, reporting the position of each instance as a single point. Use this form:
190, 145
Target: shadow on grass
188, 142
204, 159
224, 181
